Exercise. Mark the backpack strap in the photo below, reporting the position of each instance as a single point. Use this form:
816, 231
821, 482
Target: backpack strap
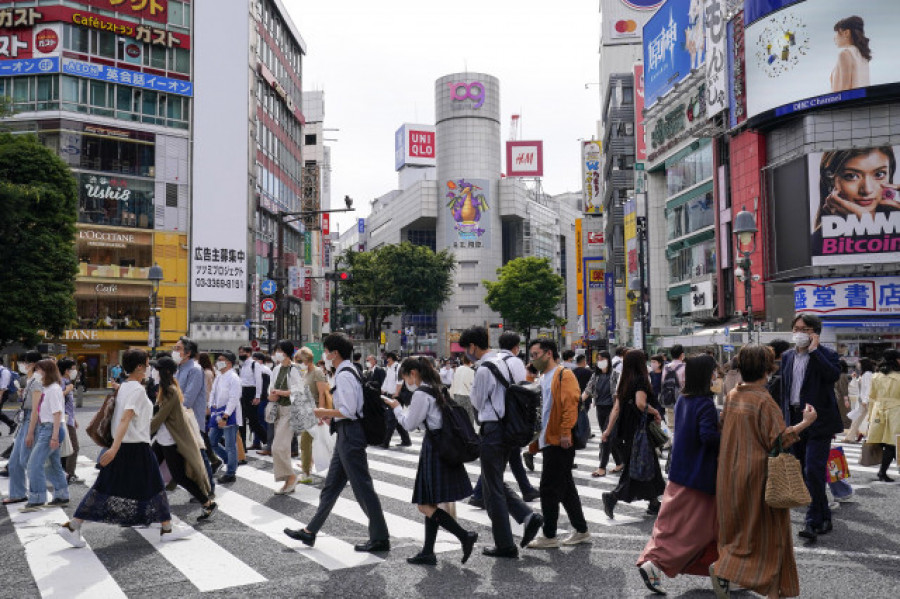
496, 372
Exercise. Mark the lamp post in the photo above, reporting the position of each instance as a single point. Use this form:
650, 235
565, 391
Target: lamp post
745, 235
155, 276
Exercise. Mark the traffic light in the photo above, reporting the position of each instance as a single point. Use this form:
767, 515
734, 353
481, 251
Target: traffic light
341, 276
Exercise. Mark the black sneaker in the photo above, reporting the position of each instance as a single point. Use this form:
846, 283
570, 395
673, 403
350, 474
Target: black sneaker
528, 458
535, 521
226, 478
4, 473
479, 503
32, 507
60, 502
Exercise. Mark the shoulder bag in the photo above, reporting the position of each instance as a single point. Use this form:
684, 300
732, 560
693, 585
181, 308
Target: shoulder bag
785, 488
302, 405
100, 427
643, 456
581, 432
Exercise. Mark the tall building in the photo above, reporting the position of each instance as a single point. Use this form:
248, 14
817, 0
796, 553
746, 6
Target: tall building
109, 86
249, 171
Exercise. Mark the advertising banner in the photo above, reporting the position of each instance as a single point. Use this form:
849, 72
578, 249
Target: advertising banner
757, 9
579, 267
591, 154
609, 282
467, 200
414, 145
524, 159
858, 296
716, 59
674, 43
737, 85
80, 68
29, 66
623, 20
854, 206
814, 54
640, 130
37, 42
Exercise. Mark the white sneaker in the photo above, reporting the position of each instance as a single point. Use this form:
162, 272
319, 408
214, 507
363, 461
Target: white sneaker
833, 505
846, 498
544, 543
652, 577
175, 533
577, 537
71, 535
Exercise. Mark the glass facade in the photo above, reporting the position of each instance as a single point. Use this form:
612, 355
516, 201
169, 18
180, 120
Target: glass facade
694, 215
115, 201
694, 261
689, 171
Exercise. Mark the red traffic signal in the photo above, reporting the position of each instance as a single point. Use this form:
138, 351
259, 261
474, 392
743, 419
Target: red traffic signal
343, 276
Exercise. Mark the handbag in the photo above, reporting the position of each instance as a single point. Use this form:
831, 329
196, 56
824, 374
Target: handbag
785, 487
870, 455
302, 405
100, 427
643, 456
658, 437
271, 413
581, 432
837, 466
66, 448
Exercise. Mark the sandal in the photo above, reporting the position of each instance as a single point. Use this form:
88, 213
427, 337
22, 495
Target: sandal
599, 472
618, 469
10, 501
208, 511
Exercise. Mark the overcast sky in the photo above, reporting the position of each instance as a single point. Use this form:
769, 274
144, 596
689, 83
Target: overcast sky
377, 63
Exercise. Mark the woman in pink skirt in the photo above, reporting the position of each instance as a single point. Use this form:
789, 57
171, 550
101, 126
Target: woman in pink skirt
685, 534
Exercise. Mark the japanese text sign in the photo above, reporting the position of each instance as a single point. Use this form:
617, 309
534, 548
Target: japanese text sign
848, 297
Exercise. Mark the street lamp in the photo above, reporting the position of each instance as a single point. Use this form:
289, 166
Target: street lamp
155, 276
745, 235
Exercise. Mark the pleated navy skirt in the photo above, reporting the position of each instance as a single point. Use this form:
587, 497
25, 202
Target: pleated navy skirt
436, 481
129, 491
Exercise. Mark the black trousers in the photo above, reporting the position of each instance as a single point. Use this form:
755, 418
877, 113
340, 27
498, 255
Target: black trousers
175, 463
888, 453
611, 446
391, 426
499, 499
558, 487
251, 415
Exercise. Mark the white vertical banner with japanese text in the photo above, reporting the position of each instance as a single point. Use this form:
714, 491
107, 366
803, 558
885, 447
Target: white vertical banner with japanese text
716, 59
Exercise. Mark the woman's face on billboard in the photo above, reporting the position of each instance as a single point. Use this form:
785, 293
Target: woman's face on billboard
842, 38
862, 180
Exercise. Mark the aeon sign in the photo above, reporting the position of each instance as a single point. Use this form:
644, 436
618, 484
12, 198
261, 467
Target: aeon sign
461, 91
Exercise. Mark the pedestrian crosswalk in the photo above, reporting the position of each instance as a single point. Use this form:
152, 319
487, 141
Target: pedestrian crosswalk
209, 563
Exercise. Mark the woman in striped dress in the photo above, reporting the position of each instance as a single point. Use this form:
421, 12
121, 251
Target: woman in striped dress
436, 481
756, 549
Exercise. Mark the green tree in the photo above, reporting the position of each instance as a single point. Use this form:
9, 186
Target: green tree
393, 279
526, 293
39, 202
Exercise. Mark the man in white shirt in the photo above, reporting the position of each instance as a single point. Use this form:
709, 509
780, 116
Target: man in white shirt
251, 392
461, 387
391, 387
225, 413
446, 373
348, 462
489, 400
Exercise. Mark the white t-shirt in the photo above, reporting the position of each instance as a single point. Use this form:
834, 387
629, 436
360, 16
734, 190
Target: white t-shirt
164, 437
133, 396
53, 402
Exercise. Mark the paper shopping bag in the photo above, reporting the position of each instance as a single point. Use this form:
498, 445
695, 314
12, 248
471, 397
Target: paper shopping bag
838, 469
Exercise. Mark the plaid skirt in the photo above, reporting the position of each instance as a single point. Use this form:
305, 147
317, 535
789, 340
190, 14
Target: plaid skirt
436, 481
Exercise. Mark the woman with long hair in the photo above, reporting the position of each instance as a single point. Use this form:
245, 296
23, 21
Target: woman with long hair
287, 383
209, 376
598, 389
857, 428
177, 441
857, 182
685, 533
852, 68
756, 547
631, 405
43, 464
69, 376
129, 490
884, 410
436, 481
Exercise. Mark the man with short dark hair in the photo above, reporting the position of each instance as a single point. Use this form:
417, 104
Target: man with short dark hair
808, 374
251, 395
193, 389
489, 400
582, 372
374, 373
357, 362
391, 387
568, 359
348, 462
225, 414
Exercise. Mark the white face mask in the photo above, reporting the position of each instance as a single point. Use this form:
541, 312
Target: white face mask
328, 363
221, 365
177, 357
73, 374
412, 388
602, 364
23, 368
155, 376
279, 357
801, 339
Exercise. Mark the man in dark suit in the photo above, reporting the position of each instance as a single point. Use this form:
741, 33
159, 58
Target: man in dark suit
808, 373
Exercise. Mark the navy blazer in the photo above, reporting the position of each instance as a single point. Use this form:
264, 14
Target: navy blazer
695, 450
822, 372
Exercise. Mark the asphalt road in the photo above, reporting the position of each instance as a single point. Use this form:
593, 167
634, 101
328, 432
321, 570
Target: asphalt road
240, 552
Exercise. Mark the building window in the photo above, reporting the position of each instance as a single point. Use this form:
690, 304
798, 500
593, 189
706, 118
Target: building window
690, 217
179, 14
309, 139
694, 261
171, 195
115, 201
691, 170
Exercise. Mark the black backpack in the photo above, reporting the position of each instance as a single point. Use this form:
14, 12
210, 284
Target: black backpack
670, 389
374, 411
522, 419
456, 441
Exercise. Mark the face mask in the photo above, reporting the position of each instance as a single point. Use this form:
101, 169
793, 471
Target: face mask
243, 357
176, 357
23, 368
328, 364
221, 365
155, 376
304, 368
73, 374
602, 364
801, 339
540, 363
472, 357
412, 388
279, 357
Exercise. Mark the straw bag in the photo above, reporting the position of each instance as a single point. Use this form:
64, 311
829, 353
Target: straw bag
784, 483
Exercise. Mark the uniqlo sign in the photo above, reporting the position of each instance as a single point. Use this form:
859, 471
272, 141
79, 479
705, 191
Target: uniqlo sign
414, 145
421, 143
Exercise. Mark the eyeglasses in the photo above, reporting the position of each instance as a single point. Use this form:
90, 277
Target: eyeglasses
534, 355
804, 330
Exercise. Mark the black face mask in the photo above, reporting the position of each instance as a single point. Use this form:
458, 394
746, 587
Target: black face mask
243, 357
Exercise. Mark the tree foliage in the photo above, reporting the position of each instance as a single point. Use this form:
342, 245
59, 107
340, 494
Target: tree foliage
526, 293
393, 279
39, 203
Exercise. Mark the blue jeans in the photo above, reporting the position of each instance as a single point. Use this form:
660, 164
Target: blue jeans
44, 465
228, 454
18, 460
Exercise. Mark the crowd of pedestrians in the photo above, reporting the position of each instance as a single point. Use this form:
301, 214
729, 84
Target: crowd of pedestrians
183, 417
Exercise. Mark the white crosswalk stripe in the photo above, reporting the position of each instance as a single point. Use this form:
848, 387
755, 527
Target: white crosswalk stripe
208, 566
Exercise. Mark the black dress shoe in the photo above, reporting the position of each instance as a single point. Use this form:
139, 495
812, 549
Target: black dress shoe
885, 478
468, 545
824, 529
307, 538
373, 546
531, 495
511, 552
226, 478
609, 504
479, 503
528, 458
809, 533
424, 559
407, 444
535, 521
653, 508
385, 446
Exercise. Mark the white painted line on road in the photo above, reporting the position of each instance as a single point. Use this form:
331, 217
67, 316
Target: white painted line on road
59, 569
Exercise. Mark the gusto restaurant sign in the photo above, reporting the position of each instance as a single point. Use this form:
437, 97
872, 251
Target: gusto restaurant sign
461, 91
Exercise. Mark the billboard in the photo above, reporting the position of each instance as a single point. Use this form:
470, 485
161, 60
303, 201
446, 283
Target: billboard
737, 86
854, 206
814, 54
716, 59
37, 42
467, 201
414, 145
591, 154
524, 159
674, 44
640, 129
855, 296
757, 9
623, 20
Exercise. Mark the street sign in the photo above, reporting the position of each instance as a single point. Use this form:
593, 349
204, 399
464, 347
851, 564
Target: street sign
383, 338
269, 287
267, 306
268, 316
151, 332
728, 348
